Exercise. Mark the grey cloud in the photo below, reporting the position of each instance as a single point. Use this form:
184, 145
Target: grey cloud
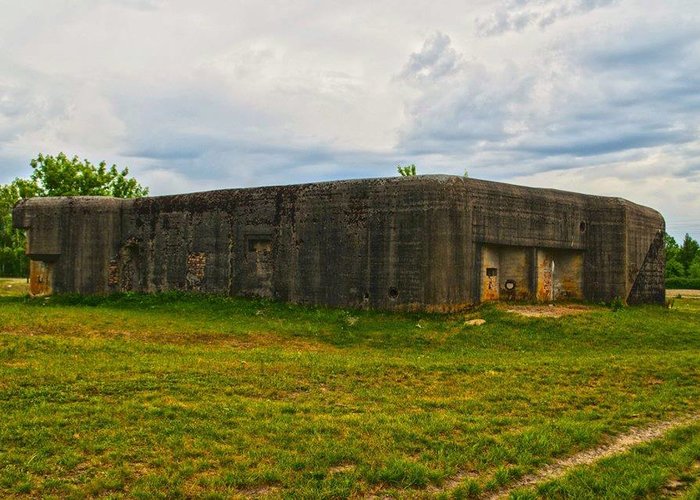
28, 102
606, 142
518, 15
473, 108
258, 166
645, 46
591, 111
436, 59
218, 142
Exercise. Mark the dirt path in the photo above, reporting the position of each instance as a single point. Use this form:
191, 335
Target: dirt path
621, 444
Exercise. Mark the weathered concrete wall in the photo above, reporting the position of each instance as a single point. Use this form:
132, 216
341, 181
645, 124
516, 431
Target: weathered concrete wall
385, 243
646, 256
75, 236
382, 243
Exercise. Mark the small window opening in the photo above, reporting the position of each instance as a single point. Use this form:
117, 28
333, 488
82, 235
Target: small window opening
393, 292
491, 271
510, 285
259, 245
582, 227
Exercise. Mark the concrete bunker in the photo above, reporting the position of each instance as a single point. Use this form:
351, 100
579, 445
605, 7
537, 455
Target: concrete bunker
427, 242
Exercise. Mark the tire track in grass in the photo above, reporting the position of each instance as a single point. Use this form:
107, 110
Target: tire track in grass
620, 444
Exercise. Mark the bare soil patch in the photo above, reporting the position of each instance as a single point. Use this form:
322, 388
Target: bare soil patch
549, 311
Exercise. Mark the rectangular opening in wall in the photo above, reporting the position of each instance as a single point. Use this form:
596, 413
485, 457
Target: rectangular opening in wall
559, 274
489, 273
505, 273
259, 265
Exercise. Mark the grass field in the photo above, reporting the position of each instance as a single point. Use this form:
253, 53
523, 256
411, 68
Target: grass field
192, 396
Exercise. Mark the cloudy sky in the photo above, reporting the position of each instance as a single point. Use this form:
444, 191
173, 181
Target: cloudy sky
598, 96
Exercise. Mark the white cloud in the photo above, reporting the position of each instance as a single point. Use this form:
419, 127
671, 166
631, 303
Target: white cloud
436, 60
590, 95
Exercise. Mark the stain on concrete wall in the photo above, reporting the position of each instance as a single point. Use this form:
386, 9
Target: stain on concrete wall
545, 275
559, 274
490, 273
196, 267
567, 281
529, 273
40, 278
506, 273
515, 273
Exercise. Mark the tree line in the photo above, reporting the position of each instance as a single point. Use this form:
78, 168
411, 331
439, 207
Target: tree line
56, 176
682, 263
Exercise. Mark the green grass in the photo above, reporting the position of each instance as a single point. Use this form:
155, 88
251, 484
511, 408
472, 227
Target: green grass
179, 395
665, 468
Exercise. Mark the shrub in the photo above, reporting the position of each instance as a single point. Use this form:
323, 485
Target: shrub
683, 283
616, 304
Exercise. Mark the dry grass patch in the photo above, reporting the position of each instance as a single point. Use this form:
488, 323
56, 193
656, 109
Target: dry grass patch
684, 294
550, 310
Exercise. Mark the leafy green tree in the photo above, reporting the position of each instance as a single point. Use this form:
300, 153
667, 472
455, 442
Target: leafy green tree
60, 176
674, 269
694, 270
56, 176
687, 252
13, 262
407, 171
671, 246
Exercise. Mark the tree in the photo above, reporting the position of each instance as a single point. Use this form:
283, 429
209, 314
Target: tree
13, 262
674, 269
671, 246
687, 252
682, 261
407, 171
694, 270
60, 176
56, 176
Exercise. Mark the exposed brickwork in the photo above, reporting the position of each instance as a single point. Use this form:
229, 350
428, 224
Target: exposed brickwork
196, 265
113, 274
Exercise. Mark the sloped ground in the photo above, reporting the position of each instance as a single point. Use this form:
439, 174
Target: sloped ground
177, 395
